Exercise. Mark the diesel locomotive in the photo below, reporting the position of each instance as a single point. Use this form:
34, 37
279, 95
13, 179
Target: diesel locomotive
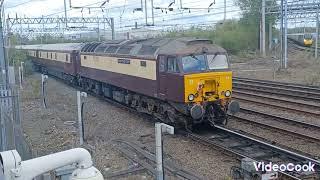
181, 81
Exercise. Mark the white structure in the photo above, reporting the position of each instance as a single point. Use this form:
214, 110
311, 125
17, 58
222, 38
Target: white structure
15, 169
159, 129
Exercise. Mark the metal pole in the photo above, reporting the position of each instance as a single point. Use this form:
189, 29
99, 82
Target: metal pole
43, 82
20, 33
79, 117
22, 71
3, 63
112, 29
80, 121
286, 35
145, 12
270, 36
263, 28
281, 36
181, 4
99, 39
317, 34
20, 77
225, 10
152, 12
158, 132
65, 13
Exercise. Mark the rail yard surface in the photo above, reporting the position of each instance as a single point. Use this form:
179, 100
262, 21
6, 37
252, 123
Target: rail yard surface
105, 122
278, 114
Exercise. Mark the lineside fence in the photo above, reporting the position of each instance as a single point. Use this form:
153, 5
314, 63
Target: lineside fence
11, 133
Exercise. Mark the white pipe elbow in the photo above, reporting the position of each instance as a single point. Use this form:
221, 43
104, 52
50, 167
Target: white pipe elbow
34, 167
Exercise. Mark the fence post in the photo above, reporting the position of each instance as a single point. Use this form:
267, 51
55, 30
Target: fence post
80, 120
43, 82
159, 129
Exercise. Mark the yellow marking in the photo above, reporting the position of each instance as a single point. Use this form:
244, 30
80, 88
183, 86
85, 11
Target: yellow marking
217, 82
111, 64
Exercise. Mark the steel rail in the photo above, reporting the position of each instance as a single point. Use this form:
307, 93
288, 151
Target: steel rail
269, 86
310, 105
281, 84
281, 130
284, 119
277, 91
278, 106
143, 154
245, 146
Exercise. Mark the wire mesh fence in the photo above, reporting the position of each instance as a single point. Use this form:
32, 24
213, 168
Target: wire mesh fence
11, 133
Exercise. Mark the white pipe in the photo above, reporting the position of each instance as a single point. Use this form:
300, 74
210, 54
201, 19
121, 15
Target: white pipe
35, 167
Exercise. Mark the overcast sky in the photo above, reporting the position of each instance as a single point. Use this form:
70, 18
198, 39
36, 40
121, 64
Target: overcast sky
122, 10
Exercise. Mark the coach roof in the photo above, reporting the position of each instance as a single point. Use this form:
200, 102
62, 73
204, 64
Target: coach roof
147, 48
52, 47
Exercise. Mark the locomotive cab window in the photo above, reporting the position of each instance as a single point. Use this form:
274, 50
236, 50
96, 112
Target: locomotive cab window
198, 63
162, 64
173, 65
218, 61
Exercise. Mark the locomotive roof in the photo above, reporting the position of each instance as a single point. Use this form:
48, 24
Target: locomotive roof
147, 48
53, 47
153, 46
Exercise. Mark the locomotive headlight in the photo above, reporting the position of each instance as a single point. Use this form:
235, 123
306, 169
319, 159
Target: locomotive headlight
191, 97
227, 93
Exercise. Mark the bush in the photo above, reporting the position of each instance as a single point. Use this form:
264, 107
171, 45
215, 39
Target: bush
233, 35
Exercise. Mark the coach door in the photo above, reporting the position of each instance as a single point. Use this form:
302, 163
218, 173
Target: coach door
162, 76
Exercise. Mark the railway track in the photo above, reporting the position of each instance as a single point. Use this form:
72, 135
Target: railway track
289, 96
299, 106
263, 87
300, 87
145, 160
294, 44
294, 127
245, 146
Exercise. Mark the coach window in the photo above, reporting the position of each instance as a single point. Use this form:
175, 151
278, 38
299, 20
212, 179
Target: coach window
173, 65
47, 55
55, 55
67, 57
143, 63
51, 55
